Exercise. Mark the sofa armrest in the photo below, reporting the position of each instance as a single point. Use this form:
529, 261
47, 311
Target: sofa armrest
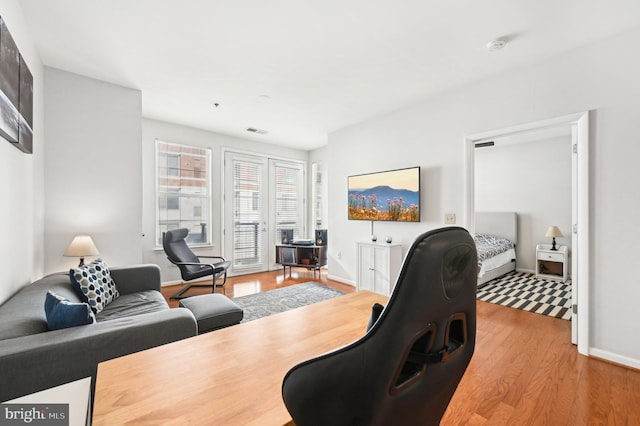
33, 363
134, 278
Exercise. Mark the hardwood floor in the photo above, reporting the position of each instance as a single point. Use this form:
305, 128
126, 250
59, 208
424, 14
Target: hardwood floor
524, 370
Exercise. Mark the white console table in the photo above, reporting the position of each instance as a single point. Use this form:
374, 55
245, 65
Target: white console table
378, 266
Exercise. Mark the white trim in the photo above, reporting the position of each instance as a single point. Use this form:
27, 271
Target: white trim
582, 127
226, 149
342, 280
580, 122
612, 357
174, 282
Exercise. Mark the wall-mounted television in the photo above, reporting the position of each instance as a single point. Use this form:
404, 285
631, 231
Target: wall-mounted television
392, 195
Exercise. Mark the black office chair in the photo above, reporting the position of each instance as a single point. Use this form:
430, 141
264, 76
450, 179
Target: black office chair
407, 366
179, 253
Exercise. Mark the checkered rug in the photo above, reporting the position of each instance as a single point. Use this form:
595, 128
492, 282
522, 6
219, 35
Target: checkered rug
523, 291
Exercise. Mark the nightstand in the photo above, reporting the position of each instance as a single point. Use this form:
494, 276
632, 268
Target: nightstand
552, 264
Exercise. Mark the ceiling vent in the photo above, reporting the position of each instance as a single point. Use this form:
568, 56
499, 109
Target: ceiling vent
485, 144
258, 131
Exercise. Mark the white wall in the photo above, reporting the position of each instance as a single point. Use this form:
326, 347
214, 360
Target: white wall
532, 179
93, 170
22, 178
602, 77
152, 130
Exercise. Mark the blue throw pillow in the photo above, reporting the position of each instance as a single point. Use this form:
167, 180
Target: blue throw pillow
94, 284
62, 313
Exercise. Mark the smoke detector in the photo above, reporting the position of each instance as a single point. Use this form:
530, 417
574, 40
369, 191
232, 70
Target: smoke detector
258, 131
496, 44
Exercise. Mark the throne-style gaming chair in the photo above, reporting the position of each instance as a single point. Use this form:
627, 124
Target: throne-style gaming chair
179, 253
407, 366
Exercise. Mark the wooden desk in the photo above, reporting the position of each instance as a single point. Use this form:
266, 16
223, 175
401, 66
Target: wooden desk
231, 376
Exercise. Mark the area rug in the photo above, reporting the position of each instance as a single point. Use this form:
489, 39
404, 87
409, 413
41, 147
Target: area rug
283, 299
524, 291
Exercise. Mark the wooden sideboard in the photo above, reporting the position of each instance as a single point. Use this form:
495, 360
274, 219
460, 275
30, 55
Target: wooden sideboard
310, 257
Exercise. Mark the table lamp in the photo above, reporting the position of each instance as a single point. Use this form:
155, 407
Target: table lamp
553, 232
81, 246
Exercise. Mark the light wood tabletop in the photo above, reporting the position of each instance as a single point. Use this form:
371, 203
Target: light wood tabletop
231, 376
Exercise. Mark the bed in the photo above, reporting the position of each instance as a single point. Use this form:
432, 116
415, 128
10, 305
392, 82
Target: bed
496, 236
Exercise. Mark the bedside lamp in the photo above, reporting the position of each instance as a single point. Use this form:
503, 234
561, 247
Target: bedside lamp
553, 232
81, 246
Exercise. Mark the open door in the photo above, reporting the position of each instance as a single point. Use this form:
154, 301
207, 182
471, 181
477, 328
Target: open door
579, 124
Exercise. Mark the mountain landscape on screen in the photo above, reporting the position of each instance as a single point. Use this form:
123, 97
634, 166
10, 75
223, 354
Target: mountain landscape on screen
385, 196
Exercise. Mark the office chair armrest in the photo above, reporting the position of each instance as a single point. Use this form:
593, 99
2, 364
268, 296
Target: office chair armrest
209, 265
212, 257
189, 263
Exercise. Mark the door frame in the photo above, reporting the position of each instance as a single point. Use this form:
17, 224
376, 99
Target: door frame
227, 249
274, 238
270, 264
579, 125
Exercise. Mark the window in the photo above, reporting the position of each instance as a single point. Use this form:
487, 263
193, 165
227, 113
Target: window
289, 195
183, 191
318, 191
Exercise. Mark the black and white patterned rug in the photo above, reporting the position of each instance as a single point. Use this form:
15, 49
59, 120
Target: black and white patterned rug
283, 299
524, 291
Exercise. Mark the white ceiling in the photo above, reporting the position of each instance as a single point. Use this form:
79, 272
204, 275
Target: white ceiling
301, 69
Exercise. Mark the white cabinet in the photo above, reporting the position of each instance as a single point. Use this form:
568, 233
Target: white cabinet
378, 266
551, 264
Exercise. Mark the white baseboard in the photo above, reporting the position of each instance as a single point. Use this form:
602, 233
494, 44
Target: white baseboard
527, 271
168, 283
342, 280
616, 358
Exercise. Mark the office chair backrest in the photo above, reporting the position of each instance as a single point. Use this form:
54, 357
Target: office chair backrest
177, 250
405, 369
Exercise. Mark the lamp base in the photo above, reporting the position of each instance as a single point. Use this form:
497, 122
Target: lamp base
553, 245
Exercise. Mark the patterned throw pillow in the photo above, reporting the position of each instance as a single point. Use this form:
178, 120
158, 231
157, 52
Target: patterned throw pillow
62, 313
93, 282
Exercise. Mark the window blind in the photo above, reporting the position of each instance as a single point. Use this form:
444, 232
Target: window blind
247, 213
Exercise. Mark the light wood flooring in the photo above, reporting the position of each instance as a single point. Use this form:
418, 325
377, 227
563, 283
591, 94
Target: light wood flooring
524, 370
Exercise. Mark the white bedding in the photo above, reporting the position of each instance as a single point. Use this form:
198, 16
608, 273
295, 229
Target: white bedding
495, 258
493, 252
497, 261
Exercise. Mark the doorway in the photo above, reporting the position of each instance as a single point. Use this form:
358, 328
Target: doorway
262, 196
578, 125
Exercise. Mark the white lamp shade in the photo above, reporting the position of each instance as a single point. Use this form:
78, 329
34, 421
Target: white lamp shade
82, 245
553, 231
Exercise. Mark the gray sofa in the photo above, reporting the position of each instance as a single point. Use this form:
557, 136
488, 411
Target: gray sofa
33, 358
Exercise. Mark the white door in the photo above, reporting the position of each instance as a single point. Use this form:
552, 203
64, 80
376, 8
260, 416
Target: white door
286, 193
381, 270
246, 212
262, 196
365, 266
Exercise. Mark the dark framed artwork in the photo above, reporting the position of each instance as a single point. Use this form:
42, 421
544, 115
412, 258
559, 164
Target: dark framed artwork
16, 94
